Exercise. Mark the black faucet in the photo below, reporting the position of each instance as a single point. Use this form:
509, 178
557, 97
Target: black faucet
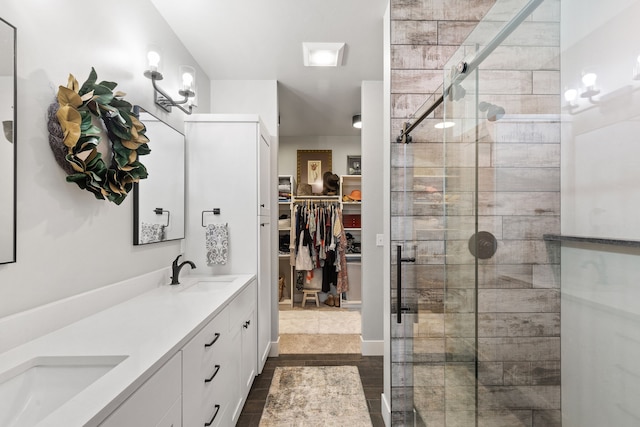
175, 269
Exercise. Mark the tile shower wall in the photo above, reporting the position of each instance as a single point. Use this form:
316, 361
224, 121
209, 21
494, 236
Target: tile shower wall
518, 318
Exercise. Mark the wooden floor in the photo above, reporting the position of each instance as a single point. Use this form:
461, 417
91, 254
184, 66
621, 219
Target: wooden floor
370, 368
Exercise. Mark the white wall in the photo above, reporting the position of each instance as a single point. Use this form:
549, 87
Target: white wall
247, 97
69, 242
600, 198
373, 190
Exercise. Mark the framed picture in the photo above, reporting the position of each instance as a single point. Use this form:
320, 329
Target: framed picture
354, 165
312, 164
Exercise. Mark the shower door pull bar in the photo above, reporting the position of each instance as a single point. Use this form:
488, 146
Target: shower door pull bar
400, 260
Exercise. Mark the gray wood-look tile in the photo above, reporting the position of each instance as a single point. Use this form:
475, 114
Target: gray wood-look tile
414, 33
519, 397
518, 301
411, 57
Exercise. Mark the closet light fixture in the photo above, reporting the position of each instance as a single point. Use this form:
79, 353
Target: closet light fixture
322, 54
187, 85
356, 121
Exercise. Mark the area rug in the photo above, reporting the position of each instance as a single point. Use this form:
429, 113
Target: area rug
316, 396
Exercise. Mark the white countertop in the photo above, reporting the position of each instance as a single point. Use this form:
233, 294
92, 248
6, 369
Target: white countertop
148, 329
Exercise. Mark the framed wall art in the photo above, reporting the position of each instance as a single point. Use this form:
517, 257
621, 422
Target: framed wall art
354, 165
312, 164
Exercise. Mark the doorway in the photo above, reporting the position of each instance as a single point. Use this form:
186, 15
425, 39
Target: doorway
332, 325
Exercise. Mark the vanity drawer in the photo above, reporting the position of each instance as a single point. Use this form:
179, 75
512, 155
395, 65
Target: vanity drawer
206, 373
243, 304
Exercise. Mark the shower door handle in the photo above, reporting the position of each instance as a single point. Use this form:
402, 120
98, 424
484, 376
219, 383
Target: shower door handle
400, 260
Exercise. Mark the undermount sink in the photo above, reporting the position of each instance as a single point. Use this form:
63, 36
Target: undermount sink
34, 389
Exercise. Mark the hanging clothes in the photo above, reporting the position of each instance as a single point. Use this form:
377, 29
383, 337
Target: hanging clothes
320, 243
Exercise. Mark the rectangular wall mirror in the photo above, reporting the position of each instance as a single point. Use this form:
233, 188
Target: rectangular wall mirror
7, 142
159, 201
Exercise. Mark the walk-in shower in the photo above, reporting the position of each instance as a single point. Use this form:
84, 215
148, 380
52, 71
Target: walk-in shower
475, 300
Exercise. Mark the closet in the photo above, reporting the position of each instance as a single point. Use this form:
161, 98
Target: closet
295, 212
229, 187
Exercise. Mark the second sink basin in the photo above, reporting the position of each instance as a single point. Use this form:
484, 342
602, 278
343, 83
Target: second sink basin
33, 390
209, 284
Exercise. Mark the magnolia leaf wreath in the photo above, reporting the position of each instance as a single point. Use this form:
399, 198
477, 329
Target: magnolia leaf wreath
74, 138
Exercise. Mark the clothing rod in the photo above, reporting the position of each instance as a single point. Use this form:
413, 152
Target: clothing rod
316, 200
464, 69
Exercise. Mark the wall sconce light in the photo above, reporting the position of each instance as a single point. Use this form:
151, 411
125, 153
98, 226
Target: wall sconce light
356, 121
589, 81
570, 95
636, 69
7, 127
187, 88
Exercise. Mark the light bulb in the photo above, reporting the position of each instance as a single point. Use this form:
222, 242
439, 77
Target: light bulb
154, 60
187, 81
589, 79
323, 58
570, 95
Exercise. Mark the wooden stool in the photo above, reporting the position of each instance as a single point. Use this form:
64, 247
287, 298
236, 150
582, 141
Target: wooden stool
310, 294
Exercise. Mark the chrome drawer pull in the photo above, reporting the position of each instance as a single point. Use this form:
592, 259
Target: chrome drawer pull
208, 380
214, 416
214, 340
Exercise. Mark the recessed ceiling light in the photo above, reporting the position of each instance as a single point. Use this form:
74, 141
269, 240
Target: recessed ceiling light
322, 54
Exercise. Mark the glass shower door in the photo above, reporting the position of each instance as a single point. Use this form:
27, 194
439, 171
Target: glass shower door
475, 186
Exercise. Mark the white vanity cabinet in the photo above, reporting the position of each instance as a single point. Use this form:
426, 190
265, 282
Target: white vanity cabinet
219, 364
230, 174
244, 327
156, 403
207, 370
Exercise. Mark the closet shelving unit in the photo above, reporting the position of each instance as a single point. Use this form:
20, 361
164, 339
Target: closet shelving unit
351, 218
285, 207
351, 211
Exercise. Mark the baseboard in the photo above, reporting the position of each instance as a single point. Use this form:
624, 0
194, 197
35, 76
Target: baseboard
385, 408
274, 351
371, 348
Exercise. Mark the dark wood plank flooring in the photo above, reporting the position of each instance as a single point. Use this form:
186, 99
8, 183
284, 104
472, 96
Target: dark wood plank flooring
370, 368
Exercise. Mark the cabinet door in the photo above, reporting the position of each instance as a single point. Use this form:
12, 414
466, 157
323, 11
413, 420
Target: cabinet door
249, 350
265, 290
173, 418
147, 406
264, 177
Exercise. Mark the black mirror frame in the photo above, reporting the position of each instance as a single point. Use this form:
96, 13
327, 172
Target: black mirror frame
15, 139
136, 193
